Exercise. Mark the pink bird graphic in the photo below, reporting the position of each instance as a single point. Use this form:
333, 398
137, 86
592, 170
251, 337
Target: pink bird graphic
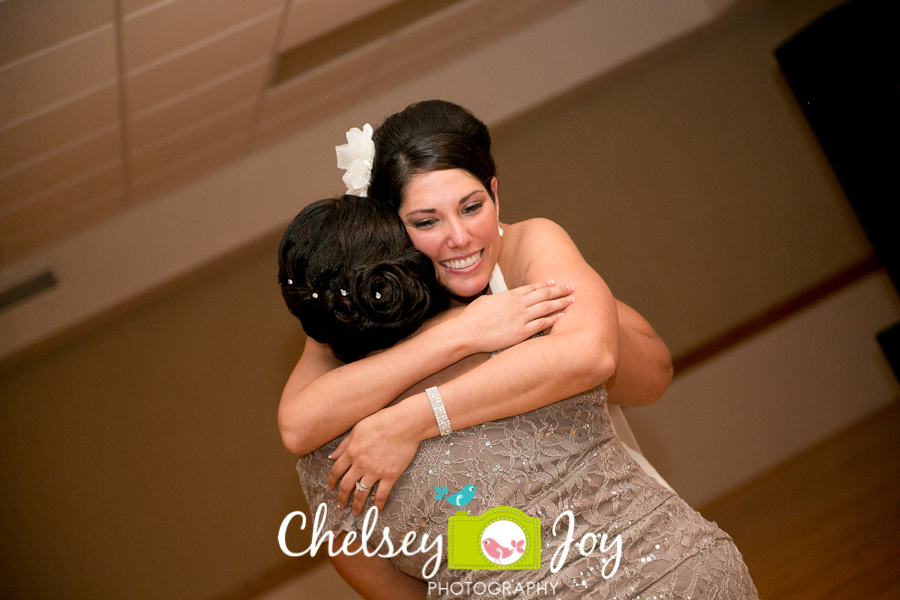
498, 552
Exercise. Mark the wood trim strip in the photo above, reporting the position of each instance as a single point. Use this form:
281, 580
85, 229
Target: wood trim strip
754, 325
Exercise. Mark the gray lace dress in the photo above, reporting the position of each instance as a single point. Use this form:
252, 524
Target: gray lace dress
557, 458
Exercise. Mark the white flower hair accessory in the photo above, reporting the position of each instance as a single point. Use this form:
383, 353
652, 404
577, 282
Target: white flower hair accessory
355, 157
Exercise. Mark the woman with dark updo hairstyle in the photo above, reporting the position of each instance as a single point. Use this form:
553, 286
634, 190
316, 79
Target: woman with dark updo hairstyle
349, 272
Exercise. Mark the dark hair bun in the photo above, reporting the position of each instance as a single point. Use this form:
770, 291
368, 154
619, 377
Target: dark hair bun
357, 282
391, 292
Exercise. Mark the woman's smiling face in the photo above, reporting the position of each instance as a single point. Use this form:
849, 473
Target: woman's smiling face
451, 217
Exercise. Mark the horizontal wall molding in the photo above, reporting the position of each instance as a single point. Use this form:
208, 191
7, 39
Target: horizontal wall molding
789, 307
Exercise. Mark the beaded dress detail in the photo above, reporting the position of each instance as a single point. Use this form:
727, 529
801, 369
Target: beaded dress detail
560, 457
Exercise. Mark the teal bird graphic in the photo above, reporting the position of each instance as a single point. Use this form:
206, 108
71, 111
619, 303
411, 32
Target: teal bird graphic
460, 498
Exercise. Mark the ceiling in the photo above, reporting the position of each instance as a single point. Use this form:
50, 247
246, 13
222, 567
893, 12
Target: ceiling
113, 103
126, 123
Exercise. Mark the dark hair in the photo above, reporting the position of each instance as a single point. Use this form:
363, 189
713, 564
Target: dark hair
433, 135
372, 287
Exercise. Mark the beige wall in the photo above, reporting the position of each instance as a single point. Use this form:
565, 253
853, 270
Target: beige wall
690, 181
774, 395
141, 459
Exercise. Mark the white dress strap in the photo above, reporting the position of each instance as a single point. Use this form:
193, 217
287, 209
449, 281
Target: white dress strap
616, 416
497, 283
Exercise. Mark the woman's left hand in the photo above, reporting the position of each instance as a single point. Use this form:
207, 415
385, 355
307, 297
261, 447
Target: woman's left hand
377, 450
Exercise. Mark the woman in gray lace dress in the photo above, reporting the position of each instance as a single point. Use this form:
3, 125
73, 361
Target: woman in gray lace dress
560, 463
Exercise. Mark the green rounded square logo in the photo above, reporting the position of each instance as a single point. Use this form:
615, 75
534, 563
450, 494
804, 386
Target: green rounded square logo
503, 538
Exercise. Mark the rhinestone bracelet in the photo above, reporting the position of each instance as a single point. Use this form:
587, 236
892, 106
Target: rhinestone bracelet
437, 405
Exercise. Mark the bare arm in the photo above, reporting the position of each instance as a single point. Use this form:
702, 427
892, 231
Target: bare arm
348, 392
324, 397
644, 366
375, 578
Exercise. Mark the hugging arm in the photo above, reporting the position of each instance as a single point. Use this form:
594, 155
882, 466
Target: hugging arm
325, 397
644, 368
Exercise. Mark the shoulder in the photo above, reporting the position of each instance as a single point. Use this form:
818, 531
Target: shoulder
533, 240
533, 227
525, 237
